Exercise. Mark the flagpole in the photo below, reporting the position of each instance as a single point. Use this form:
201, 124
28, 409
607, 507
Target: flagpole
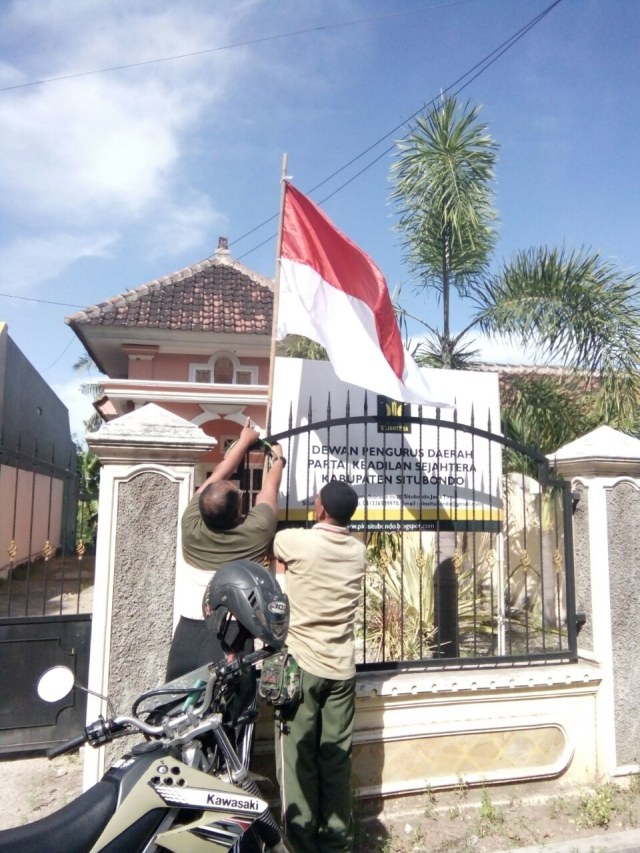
276, 293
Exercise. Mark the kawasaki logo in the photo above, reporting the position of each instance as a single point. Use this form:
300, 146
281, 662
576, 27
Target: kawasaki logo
216, 801
203, 798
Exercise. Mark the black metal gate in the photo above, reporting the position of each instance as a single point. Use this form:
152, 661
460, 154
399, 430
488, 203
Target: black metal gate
469, 535
46, 584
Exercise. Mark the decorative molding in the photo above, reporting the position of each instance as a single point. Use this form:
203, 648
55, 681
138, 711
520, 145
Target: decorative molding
461, 681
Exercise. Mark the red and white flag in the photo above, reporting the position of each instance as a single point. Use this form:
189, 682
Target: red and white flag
334, 294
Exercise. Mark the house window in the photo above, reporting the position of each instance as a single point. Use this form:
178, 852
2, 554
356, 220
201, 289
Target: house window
226, 441
244, 377
248, 479
223, 369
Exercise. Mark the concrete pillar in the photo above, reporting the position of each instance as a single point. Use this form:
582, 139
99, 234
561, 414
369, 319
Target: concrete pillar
604, 468
147, 479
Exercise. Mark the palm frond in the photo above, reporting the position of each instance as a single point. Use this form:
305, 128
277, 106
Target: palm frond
297, 346
453, 352
577, 306
443, 191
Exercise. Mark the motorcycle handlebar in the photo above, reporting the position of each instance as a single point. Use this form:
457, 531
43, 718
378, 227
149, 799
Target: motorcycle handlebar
67, 746
102, 731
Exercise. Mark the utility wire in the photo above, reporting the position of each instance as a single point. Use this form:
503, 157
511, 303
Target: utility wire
74, 339
248, 43
42, 301
479, 68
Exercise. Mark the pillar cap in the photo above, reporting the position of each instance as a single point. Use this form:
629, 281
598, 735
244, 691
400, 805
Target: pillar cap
149, 433
604, 452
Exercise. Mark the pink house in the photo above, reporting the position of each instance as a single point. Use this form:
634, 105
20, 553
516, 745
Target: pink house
196, 342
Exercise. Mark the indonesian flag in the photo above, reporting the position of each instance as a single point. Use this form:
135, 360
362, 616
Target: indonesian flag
334, 294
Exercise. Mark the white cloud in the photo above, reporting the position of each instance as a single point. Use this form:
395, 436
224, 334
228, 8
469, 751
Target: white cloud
496, 350
102, 154
29, 260
501, 350
97, 148
188, 224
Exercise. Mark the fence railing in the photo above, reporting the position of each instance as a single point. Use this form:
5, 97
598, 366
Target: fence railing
46, 528
468, 535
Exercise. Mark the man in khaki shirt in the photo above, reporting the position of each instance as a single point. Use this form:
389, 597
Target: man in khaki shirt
325, 569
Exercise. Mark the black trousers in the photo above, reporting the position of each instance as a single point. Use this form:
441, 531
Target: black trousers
195, 645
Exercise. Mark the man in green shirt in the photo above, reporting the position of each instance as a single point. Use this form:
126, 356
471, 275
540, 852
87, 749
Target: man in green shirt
214, 531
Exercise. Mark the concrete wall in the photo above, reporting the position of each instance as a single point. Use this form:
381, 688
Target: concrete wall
569, 723
148, 459
623, 532
34, 435
31, 409
143, 586
434, 730
582, 565
604, 467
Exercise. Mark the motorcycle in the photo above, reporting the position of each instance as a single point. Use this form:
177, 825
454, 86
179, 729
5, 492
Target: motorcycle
184, 788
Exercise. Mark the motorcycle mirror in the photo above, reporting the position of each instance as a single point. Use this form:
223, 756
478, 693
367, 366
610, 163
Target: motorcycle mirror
56, 683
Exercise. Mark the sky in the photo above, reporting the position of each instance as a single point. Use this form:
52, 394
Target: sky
112, 178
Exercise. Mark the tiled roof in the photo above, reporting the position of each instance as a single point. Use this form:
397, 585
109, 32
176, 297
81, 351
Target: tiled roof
572, 379
556, 371
215, 295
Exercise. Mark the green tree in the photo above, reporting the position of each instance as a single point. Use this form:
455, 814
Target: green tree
297, 346
91, 389
444, 192
574, 306
582, 313
87, 512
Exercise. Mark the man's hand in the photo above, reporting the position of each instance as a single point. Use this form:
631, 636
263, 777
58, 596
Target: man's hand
276, 452
248, 436
271, 482
232, 459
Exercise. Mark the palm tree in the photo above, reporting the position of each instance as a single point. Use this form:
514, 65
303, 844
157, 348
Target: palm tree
91, 389
443, 188
297, 346
582, 313
576, 307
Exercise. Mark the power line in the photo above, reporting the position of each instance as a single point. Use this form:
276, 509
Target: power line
472, 74
247, 43
479, 68
55, 361
43, 301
